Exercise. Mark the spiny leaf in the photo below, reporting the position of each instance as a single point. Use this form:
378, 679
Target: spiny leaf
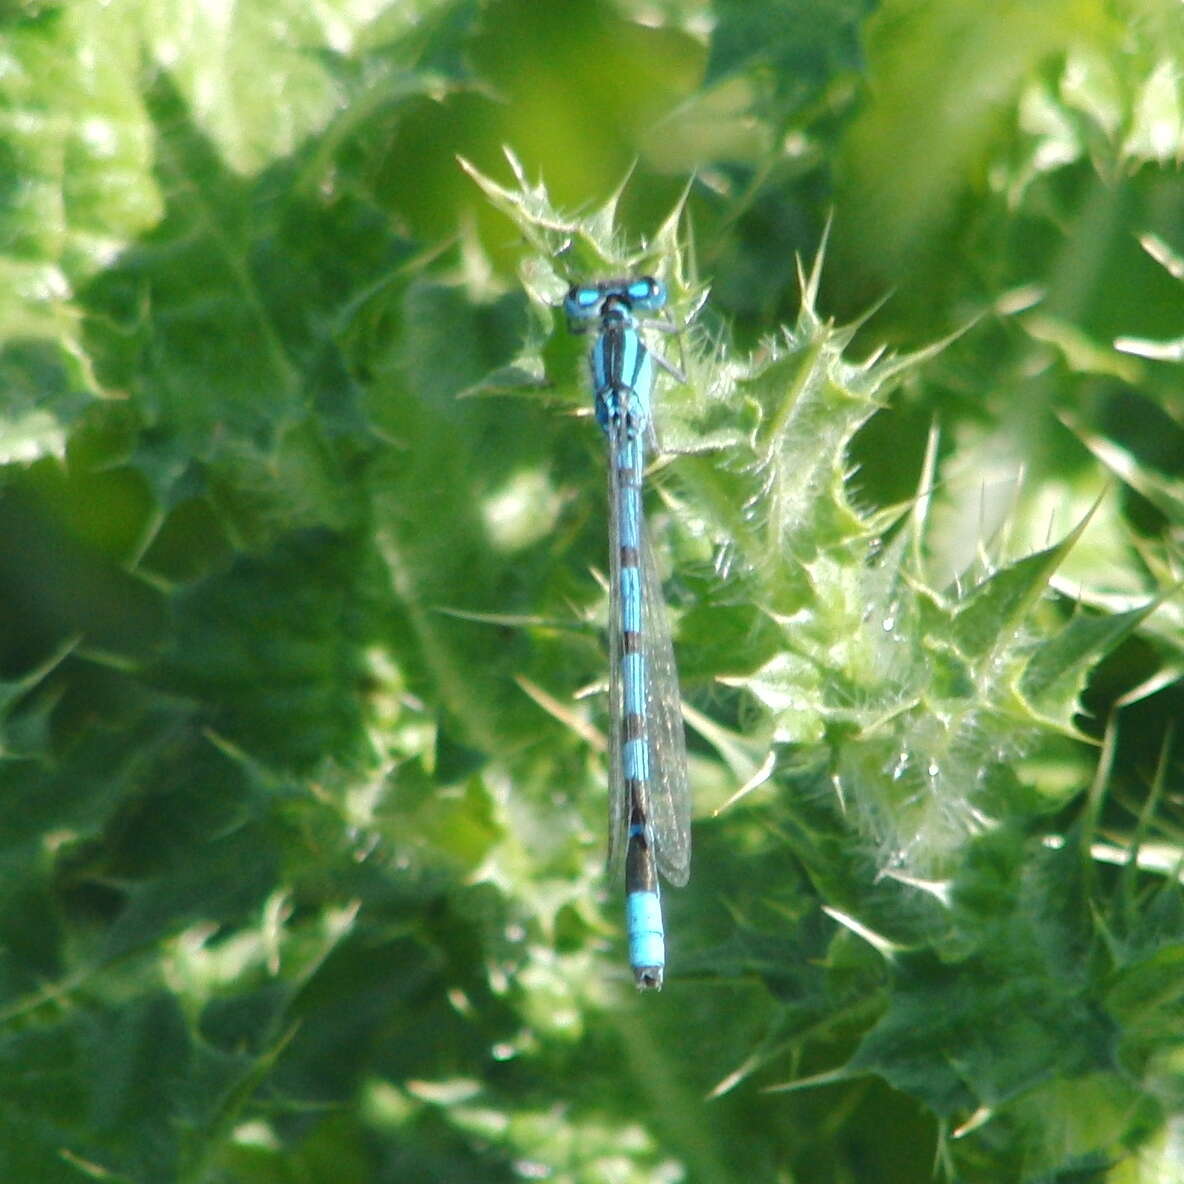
988, 618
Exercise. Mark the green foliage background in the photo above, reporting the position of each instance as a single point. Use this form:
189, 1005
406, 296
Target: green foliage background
303, 517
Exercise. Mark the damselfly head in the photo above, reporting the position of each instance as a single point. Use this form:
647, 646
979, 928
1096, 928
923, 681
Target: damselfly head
588, 302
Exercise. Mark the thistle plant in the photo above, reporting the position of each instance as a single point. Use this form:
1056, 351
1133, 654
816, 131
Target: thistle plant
302, 663
889, 729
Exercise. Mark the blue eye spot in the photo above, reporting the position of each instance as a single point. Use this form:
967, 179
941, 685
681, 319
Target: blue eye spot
582, 302
647, 293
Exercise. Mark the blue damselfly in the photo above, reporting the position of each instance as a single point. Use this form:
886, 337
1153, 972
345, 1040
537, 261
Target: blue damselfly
649, 799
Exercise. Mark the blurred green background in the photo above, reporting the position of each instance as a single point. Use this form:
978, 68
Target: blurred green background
300, 650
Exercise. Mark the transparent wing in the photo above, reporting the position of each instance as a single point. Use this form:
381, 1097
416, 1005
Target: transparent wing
618, 799
668, 804
670, 795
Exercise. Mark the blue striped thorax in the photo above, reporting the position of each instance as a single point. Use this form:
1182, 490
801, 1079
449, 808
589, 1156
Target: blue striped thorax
622, 367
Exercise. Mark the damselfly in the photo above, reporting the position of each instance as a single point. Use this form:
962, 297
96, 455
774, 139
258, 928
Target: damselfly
649, 827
